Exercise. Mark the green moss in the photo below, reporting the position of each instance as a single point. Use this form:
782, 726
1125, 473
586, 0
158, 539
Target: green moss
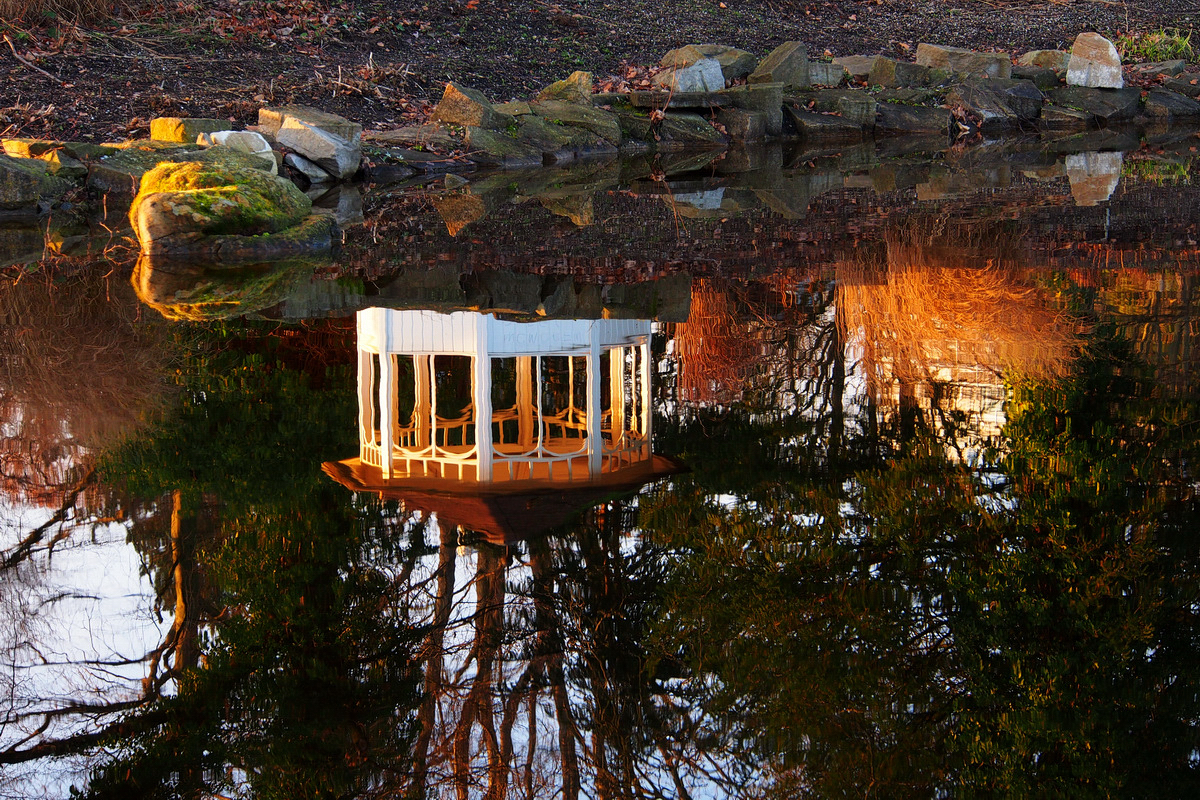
226, 200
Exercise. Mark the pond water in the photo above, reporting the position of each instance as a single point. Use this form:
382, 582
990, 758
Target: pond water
783, 475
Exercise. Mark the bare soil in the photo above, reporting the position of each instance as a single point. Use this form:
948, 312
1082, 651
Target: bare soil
383, 64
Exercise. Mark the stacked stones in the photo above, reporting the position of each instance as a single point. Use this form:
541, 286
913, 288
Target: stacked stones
705, 96
709, 94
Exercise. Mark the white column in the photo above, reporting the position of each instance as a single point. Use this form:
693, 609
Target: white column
366, 424
646, 415
482, 395
595, 442
387, 404
616, 376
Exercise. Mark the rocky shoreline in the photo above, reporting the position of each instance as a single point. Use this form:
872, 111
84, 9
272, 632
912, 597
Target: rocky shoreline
705, 98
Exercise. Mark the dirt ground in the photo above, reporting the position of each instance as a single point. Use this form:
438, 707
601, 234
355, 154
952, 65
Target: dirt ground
382, 64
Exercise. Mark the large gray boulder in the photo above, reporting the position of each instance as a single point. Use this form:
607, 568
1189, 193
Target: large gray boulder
1105, 105
333, 142
786, 64
998, 103
967, 62
1095, 63
735, 63
24, 182
704, 75
462, 105
337, 156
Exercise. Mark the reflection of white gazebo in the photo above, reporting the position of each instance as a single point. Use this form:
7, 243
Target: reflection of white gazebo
470, 397
504, 428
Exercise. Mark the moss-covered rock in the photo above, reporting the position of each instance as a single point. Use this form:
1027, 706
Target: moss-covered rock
577, 115
179, 201
24, 182
575, 89
120, 172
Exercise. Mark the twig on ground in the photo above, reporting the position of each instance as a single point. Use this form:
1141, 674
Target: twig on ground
29, 64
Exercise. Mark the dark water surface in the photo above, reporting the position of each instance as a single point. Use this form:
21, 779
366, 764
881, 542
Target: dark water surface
849, 474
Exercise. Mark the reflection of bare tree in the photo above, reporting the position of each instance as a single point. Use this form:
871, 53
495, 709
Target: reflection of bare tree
77, 371
85, 657
535, 674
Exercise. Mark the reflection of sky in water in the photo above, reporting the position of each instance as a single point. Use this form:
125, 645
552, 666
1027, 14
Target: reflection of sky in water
78, 622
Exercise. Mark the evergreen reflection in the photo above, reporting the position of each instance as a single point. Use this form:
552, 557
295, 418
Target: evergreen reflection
833, 602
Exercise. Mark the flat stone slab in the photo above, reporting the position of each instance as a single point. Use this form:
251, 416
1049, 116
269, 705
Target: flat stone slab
271, 119
1050, 59
900, 119
416, 136
997, 102
823, 74
664, 99
856, 66
578, 115
1063, 118
967, 62
888, 72
745, 125
1173, 68
1109, 105
1187, 84
1043, 78
786, 64
185, 129
813, 127
1165, 104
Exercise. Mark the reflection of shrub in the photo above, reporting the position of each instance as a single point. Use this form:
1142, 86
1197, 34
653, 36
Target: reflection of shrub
188, 291
932, 320
77, 371
1157, 172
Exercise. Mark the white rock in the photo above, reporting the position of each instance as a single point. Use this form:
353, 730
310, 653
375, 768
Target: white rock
308, 169
703, 76
337, 156
1095, 63
245, 141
